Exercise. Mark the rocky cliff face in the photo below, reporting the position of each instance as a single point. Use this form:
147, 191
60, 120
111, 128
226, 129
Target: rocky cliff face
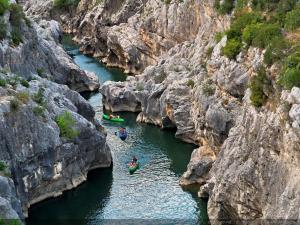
248, 160
40, 53
42, 161
49, 139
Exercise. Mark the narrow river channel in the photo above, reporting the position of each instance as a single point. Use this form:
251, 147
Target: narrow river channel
112, 196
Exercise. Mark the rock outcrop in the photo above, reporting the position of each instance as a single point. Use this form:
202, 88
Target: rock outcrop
43, 162
49, 139
40, 53
10, 206
248, 159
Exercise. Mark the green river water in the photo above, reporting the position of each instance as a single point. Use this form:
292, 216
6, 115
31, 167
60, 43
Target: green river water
112, 196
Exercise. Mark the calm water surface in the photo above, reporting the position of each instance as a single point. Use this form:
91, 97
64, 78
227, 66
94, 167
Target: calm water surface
149, 196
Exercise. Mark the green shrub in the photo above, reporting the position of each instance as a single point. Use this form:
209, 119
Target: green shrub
4, 5
40, 72
16, 16
66, 125
2, 82
23, 97
260, 35
3, 29
25, 83
224, 8
232, 48
209, 51
292, 20
219, 36
39, 111
16, 36
257, 85
14, 104
290, 78
65, 3
3, 166
190, 83
39, 97
276, 51
236, 28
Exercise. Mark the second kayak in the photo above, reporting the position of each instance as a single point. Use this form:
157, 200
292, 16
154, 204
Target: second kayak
114, 119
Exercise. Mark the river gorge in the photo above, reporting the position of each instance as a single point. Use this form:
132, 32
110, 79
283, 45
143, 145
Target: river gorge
116, 195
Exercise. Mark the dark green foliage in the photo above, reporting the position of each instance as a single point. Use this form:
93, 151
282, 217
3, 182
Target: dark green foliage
16, 16
257, 85
208, 88
224, 8
66, 125
232, 48
2, 82
4, 5
13, 81
25, 83
65, 3
39, 97
2, 166
3, 29
260, 35
14, 104
10, 222
291, 72
40, 72
276, 51
240, 23
292, 20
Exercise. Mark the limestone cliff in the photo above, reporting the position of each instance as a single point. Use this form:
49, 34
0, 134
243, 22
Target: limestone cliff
247, 162
49, 139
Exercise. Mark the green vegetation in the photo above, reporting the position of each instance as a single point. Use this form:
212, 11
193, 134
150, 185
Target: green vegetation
39, 111
3, 29
258, 85
276, 51
14, 105
40, 72
209, 51
190, 83
66, 125
290, 76
232, 48
292, 20
2, 82
10, 222
3, 166
4, 5
13, 81
219, 36
225, 7
16, 17
65, 3
25, 83
23, 97
39, 97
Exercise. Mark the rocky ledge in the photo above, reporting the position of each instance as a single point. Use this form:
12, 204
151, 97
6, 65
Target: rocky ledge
44, 155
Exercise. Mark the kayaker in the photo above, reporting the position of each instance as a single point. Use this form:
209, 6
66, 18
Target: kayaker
133, 161
111, 116
122, 133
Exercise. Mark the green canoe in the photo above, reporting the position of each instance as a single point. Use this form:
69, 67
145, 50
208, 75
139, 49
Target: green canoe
133, 168
106, 117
